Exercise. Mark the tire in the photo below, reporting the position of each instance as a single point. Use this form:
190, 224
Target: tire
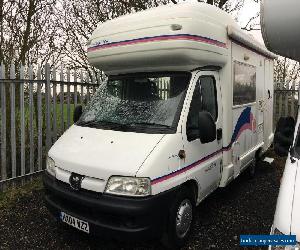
178, 231
285, 122
284, 139
280, 150
284, 134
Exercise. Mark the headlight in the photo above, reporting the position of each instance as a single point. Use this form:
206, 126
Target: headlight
50, 166
128, 186
277, 232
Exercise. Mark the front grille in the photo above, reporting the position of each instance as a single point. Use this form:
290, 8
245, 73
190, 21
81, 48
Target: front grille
86, 211
84, 192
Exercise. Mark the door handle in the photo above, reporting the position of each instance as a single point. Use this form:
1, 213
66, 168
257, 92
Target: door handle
219, 134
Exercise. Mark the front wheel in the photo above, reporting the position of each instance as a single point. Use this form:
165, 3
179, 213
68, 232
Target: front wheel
180, 220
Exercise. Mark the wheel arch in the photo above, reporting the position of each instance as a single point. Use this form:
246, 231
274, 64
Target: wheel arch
192, 185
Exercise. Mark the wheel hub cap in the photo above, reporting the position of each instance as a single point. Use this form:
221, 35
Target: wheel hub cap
184, 218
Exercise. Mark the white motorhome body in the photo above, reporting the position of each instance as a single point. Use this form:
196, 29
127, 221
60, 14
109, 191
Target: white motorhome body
227, 71
286, 218
187, 37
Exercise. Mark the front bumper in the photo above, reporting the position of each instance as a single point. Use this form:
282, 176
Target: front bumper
109, 215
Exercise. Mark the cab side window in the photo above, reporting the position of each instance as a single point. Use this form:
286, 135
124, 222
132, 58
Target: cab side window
209, 96
204, 99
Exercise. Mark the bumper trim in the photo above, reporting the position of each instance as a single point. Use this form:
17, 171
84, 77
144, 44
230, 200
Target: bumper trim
109, 214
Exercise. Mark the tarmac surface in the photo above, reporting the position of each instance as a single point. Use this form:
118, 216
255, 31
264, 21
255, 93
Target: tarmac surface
246, 206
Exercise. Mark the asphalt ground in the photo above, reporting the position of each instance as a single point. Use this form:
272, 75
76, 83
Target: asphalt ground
246, 206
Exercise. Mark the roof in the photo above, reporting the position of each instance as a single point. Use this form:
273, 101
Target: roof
168, 37
183, 10
238, 36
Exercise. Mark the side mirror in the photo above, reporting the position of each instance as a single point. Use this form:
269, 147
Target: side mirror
207, 127
284, 135
77, 113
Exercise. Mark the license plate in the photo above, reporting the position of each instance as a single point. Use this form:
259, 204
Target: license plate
74, 222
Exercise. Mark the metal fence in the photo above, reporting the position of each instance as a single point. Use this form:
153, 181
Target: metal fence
36, 108
286, 98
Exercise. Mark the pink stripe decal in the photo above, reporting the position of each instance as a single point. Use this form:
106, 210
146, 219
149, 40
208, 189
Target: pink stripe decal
244, 128
160, 38
247, 124
195, 164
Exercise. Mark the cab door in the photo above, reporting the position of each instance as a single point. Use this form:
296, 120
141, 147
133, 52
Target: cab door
204, 160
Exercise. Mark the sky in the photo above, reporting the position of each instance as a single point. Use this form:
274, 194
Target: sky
249, 10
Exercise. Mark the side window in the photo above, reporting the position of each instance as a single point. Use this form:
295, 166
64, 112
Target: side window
204, 99
244, 85
209, 96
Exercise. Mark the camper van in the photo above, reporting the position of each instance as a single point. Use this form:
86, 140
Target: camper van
186, 108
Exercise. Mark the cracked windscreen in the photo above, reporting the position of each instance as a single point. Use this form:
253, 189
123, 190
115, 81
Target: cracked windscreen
137, 101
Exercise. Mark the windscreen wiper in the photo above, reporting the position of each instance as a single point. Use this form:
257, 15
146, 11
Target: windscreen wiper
148, 124
87, 124
97, 124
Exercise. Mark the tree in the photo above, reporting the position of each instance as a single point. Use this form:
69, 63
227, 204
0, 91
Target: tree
221, 3
79, 18
232, 6
28, 31
27, 35
286, 71
36, 31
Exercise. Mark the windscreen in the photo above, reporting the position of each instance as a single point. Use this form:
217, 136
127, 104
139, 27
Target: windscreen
139, 101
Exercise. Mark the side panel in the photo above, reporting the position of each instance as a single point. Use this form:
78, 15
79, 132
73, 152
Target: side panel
226, 90
268, 104
260, 97
248, 117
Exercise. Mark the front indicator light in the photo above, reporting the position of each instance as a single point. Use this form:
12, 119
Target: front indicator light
50, 166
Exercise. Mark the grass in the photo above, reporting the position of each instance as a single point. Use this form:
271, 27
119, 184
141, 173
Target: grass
58, 115
10, 197
65, 109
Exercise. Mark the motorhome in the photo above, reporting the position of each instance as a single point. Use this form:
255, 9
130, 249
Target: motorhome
186, 108
282, 36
